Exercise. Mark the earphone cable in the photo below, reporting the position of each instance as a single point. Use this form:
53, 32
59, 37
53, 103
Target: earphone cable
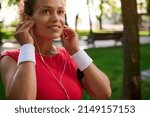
50, 69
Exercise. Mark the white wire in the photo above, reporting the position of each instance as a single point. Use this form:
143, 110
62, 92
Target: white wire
50, 69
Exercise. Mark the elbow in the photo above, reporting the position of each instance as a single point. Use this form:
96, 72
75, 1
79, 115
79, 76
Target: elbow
105, 95
20, 95
20, 98
11, 96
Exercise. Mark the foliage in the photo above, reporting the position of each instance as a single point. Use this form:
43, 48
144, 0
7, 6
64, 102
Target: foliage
114, 8
144, 33
2, 92
12, 2
110, 10
148, 6
7, 33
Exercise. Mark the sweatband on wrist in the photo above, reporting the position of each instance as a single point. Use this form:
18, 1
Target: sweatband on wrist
82, 59
27, 53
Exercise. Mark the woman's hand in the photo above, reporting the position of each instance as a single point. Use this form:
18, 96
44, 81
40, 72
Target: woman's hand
22, 33
70, 40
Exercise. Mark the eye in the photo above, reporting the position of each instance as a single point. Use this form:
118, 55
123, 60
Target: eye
61, 12
46, 11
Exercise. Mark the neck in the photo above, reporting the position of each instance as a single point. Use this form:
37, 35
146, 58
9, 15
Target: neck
45, 46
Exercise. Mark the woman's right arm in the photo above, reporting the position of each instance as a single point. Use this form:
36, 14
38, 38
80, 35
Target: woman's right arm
19, 81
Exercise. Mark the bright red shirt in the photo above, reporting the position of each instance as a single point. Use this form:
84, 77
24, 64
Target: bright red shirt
47, 86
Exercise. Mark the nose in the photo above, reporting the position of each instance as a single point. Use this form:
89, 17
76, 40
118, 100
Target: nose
54, 17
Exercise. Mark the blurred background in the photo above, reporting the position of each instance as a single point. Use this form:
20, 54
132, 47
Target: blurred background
112, 32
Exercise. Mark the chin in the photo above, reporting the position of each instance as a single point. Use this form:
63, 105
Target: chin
53, 35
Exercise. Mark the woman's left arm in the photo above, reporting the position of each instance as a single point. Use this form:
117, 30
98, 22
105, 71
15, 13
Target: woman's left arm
96, 83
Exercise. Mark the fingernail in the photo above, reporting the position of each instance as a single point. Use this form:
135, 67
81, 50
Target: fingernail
65, 26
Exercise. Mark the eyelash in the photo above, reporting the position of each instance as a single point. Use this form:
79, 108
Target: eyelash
62, 12
47, 11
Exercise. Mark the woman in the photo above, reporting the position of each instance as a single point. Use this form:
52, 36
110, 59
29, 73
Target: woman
39, 70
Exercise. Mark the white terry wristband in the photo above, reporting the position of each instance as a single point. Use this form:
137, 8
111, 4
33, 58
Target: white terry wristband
27, 53
82, 59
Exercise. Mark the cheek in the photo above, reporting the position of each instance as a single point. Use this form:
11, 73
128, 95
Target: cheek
62, 20
38, 19
39, 23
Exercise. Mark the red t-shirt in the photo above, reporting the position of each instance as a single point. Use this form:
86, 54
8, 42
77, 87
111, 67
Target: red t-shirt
47, 86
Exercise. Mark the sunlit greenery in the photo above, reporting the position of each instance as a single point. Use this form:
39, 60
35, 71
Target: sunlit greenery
144, 33
7, 33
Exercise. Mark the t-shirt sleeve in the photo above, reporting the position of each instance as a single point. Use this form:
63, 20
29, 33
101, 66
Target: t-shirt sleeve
11, 53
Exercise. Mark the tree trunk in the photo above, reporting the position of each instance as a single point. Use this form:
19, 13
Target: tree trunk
100, 17
0, 30
90, 21
0, 36
131, 71
76, 22
148, 12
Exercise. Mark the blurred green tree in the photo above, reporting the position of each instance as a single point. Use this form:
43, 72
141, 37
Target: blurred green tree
148, 6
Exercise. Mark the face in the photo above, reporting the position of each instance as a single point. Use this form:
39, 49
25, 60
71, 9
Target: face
49, 17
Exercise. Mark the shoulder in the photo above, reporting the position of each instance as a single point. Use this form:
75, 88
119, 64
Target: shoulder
8, 67
66, 55
11, 53
7, 52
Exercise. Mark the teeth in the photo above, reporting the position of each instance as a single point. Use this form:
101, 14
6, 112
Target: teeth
55, 27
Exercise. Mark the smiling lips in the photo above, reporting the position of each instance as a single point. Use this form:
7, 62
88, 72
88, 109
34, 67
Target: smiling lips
54, 27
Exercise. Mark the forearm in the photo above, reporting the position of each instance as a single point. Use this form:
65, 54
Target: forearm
23, 84
96, 83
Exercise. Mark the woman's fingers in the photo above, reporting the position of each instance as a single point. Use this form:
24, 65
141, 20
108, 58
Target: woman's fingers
19, 25
25, 26
70, 40
22, 33
69, 33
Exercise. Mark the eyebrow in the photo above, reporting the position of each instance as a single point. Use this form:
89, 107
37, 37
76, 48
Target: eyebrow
50, 7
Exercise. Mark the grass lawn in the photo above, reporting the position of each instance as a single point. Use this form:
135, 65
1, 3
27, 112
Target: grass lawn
86, 32
2, 96
110, 61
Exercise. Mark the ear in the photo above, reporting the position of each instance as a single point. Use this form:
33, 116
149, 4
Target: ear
25, 17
